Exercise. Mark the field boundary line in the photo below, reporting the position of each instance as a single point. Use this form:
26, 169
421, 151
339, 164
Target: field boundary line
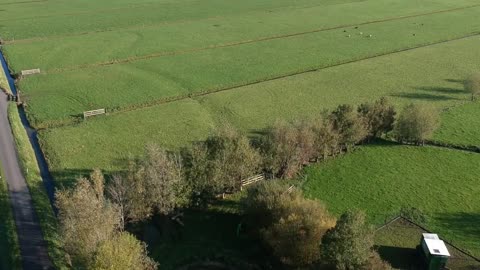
113, 111
226, 45
36, 39
23, 2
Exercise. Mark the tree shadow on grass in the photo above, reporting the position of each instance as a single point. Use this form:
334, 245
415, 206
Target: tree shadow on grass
455, 81
423, 96
468, 224
400, 258
442, 90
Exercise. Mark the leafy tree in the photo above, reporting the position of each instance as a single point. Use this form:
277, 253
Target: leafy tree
379, 117
327, 138
351, 127
122, 251
296, 236
85, 218
349, 244
376, 263
220, 163
290, 225
472, 85
153, 184
416, 123
233, 156
287, 147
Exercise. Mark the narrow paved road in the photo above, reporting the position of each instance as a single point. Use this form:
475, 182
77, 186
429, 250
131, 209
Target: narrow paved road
33, 249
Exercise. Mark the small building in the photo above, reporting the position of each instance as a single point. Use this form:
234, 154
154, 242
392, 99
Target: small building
435, 252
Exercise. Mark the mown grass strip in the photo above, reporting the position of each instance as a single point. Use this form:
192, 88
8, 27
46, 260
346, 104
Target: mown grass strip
9, 248
36, 187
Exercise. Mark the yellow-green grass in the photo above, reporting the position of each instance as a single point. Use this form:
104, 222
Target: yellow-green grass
4, 82
9, 249
420, 75
382, 178
460, 125
56, 98
36, 20
90, 49
36, 187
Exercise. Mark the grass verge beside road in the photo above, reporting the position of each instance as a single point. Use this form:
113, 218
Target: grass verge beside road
39, 195
9, 249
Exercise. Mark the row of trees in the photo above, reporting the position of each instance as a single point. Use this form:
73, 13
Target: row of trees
160, 182
301, 233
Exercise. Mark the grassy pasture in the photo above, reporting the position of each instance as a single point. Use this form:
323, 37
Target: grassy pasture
90, 49
401, 77
55, 98
461, 125
382, 178
53, 18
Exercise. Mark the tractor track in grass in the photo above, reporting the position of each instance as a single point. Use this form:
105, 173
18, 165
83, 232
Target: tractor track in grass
138, 27
238, 43
73, 121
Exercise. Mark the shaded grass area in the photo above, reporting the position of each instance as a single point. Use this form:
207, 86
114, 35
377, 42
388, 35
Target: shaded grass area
147, 82
397, 243
207, 234
384, 177
460, 125
9, 249
217, 31
103, 141
37, 190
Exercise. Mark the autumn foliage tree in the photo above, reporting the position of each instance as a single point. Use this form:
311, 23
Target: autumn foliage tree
290, 225
349, 245
348, 123
416, 123
379, 117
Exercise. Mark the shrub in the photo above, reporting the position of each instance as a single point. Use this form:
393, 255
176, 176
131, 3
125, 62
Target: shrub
349, 244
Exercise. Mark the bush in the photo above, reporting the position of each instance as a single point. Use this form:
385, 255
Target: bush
349, 244
416, 123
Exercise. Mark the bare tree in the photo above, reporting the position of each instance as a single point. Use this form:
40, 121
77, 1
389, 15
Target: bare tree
379, 117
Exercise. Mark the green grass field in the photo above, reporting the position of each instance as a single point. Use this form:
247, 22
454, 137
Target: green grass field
57, 96
9, 250
461, 125
170, 71
399, 76
382, 178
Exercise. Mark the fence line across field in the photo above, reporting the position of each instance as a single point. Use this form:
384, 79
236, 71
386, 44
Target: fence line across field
93, 113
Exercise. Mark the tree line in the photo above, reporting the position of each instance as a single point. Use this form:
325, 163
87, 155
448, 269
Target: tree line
94, 215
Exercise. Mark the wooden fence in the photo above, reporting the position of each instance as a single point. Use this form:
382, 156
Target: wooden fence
30, 72
93, 113
251, 180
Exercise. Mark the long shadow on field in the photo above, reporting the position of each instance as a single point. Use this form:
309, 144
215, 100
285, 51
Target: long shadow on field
67, 178
423, 96
442, 90
400, 258
456, 81
468, 224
